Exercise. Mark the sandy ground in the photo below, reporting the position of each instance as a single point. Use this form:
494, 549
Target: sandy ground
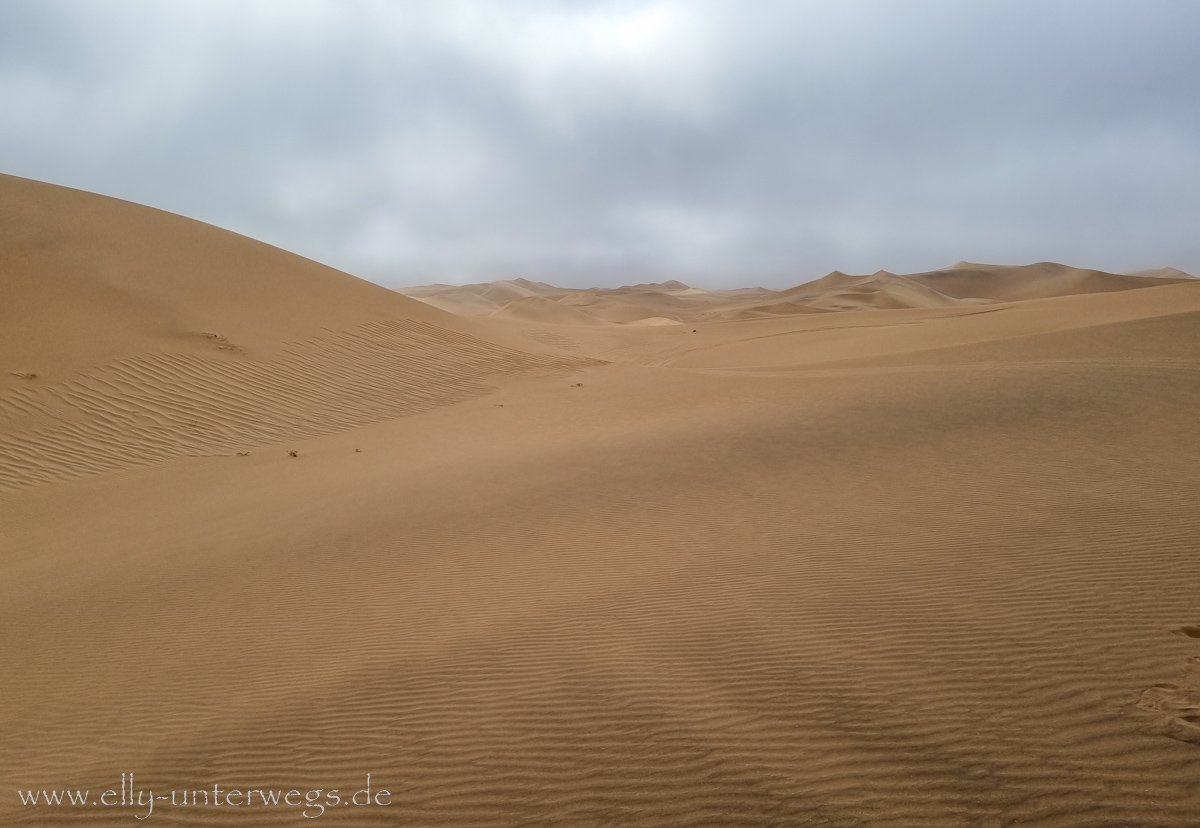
933, 566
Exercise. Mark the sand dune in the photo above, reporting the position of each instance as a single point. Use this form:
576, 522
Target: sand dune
922, 566
610, 310
654, 321
882, 291
779, 309
463, 303
131, 335
1038, 281
962, 284
481, 299
543, 311
1165, 273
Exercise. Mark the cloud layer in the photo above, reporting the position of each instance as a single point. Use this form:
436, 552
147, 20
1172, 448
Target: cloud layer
721, 143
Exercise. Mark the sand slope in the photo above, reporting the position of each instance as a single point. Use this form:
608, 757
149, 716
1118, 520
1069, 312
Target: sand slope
919, 567
540, 310
130, 335
89, 279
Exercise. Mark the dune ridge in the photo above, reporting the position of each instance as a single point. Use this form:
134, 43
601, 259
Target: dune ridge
961, 284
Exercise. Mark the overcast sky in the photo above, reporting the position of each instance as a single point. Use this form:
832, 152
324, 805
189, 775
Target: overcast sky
721, 143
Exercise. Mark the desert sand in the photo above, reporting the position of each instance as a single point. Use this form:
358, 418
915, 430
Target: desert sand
885, 550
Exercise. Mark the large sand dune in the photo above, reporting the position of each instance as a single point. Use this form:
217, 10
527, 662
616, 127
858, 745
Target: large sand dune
926, 566
131, 335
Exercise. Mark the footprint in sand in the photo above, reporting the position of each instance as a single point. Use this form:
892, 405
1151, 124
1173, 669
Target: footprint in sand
1174, 709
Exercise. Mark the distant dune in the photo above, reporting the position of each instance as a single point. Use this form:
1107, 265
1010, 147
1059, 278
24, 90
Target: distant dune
1164, 273
1037, 281
538, 309
905, 550
962, 284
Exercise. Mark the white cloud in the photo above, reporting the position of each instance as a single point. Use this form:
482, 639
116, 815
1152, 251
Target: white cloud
573, 64
586, 139
693, 238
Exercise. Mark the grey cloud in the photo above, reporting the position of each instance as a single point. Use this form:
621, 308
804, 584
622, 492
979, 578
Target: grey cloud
609, 142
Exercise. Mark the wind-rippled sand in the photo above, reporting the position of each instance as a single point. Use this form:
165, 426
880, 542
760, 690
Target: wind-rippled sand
933, 566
